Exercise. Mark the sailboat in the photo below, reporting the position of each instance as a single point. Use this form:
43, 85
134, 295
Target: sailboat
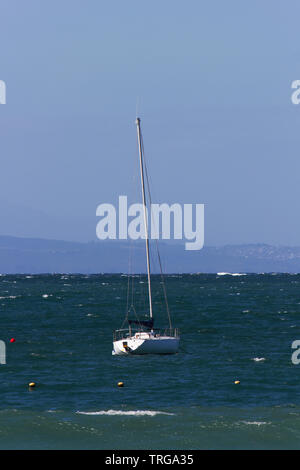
140, 337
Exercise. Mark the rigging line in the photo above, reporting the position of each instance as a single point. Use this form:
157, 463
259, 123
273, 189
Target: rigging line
130, 289
148, 257
143, 294
156, 242
131, 280
128, 278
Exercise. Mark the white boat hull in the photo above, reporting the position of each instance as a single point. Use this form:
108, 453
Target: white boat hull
145, 343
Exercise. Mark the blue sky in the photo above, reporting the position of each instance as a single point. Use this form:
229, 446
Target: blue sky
213, 85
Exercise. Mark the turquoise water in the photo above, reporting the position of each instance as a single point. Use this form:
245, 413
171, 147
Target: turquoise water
232, 328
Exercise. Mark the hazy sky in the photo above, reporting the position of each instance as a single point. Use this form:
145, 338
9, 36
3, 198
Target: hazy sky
213, 85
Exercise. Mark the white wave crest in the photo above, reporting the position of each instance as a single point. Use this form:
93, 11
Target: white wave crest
124, 413
9, 297
231, 274
256, 423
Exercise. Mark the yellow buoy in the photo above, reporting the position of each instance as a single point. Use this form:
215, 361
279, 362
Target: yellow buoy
237, 382
120, 384
31, 384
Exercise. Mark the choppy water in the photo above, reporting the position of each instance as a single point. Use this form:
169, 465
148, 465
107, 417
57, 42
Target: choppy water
232, 328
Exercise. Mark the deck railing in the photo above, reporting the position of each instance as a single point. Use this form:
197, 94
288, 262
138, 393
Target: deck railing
127, 332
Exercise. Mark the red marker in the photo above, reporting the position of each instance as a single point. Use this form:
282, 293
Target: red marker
12, 340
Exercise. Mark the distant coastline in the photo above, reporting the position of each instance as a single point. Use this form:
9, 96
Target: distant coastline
36, 256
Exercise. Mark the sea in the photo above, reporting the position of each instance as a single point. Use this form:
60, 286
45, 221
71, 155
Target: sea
234, 384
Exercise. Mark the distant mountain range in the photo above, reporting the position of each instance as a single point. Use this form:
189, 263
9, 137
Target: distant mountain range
34, 255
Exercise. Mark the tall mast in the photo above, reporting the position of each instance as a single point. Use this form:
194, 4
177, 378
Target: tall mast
138, 121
